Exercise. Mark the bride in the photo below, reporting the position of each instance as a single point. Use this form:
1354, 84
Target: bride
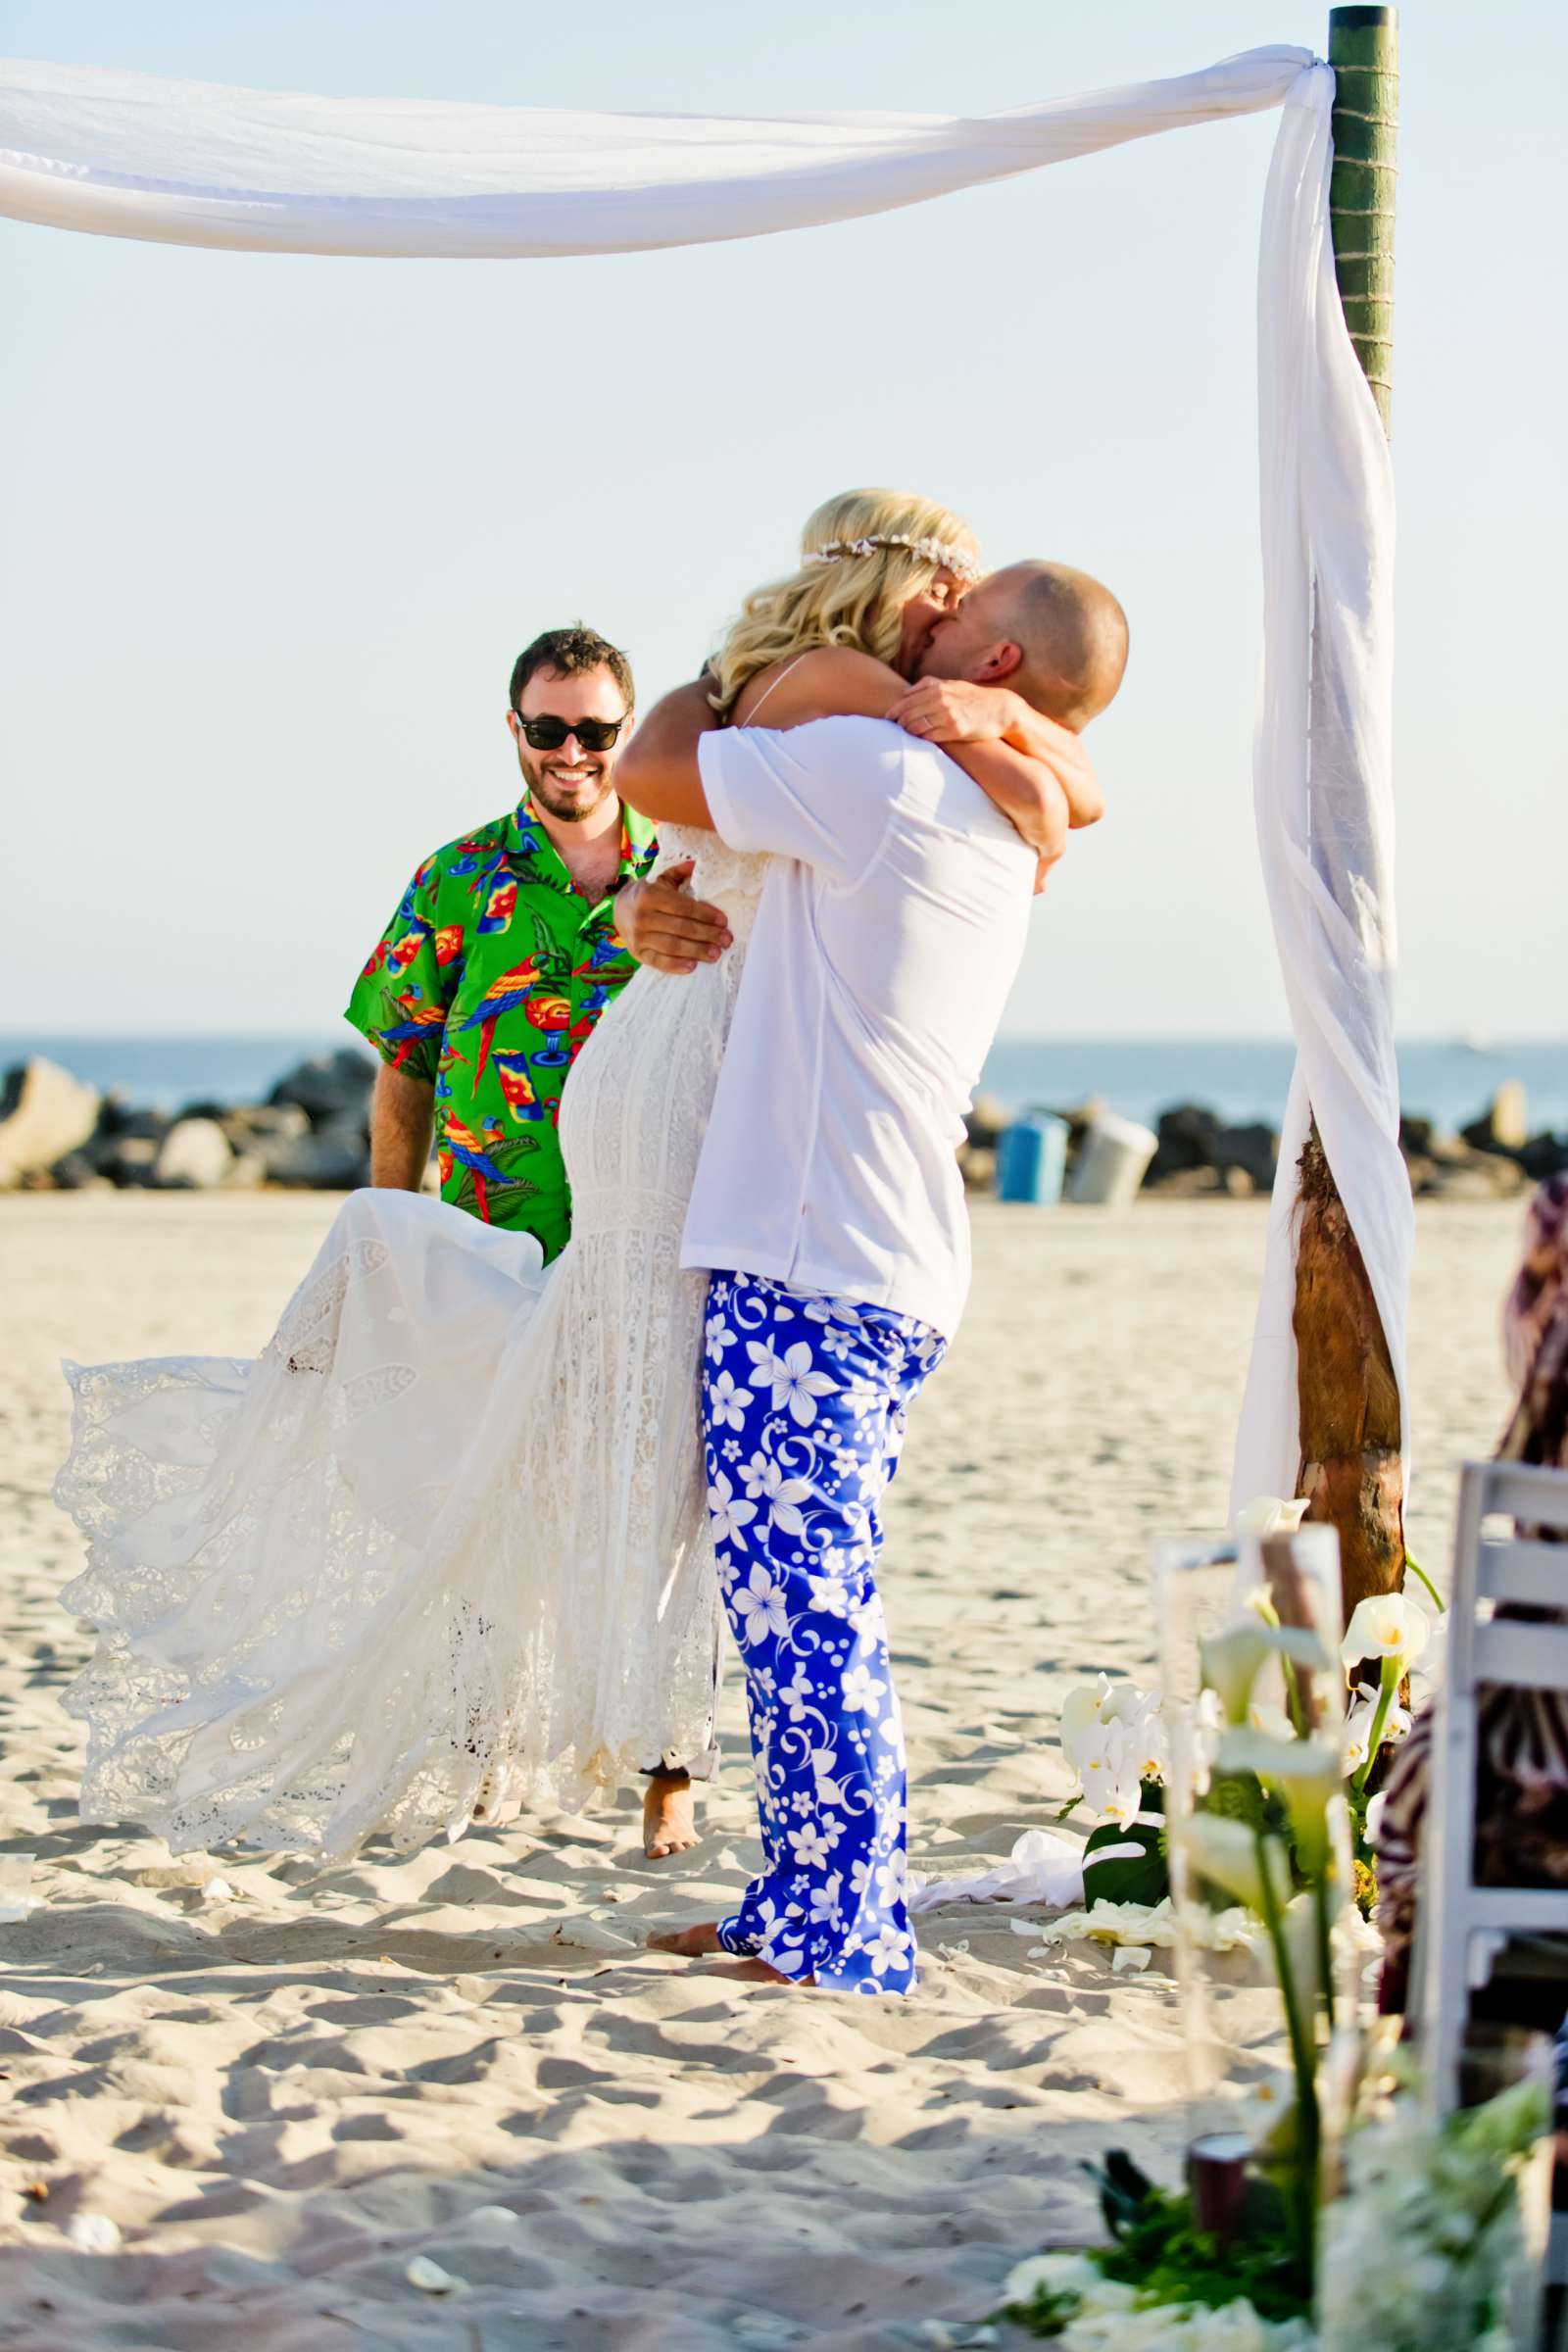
443, 1543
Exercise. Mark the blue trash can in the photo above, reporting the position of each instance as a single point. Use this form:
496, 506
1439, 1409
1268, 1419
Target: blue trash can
1032, 1160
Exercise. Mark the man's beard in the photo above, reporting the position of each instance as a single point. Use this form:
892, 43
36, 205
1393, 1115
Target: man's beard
569, 806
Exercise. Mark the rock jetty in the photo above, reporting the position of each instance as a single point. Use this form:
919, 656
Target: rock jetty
313, 1131
1201, 1156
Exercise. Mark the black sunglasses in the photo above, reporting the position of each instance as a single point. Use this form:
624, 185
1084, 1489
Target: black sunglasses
548, 734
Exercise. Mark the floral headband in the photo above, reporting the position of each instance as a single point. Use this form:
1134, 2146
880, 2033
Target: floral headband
930, 550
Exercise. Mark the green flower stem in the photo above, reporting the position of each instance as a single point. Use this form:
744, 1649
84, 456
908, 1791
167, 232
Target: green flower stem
1411, 1561
1388, 1683
1325, 1948
1303, 2060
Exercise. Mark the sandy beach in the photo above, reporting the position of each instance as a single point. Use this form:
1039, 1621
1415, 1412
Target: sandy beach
284, 2095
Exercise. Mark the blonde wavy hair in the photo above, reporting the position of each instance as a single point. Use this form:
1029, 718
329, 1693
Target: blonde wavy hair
846, 592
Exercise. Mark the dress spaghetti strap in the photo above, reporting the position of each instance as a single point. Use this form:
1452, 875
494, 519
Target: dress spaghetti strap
749, 720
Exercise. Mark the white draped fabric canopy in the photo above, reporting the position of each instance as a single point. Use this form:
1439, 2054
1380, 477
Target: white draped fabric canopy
183, 163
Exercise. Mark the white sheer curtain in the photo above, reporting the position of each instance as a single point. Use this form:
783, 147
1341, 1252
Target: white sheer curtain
182, 163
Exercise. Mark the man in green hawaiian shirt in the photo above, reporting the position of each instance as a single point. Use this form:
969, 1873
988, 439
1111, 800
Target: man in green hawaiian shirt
502, 955
504, 952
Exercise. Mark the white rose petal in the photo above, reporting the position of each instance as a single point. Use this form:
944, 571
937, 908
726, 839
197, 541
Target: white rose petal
429, 2278
93, 2232
491, 2217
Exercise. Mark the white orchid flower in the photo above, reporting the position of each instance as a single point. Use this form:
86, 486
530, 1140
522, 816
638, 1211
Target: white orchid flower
1358, 1726
1385, 1624
1357, 1735
1270, 1515
1120, 1803
1229, 1853
1112, 1785
1113, 1738
1080, 1710
1139, 1711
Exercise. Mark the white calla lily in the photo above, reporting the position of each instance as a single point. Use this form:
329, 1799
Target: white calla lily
1266, 1716
1385, 1624
1228, 1853
1268, 2108
1301, 1929
1230, 1660
1270, 1515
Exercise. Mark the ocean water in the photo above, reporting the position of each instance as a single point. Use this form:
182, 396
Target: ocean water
1240, 1078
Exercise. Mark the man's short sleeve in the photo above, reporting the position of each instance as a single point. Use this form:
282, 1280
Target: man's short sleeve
821, 794
400, 999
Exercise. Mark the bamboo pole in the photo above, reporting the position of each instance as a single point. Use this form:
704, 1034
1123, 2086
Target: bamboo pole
1364, 52
1348, 1400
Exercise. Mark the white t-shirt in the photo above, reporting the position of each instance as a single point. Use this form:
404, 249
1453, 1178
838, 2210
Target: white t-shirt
888, 936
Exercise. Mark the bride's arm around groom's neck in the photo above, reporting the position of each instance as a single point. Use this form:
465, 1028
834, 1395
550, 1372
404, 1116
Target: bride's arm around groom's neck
658, 771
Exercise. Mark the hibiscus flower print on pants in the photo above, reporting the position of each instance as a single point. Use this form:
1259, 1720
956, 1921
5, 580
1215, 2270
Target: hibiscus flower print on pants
804, 1405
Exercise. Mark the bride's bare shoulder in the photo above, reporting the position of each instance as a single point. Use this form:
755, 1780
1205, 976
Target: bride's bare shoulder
831, 681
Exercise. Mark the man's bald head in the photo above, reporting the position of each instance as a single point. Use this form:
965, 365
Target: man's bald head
1052, 634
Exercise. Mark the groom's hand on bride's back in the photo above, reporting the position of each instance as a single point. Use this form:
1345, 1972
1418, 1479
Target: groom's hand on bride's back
665, 927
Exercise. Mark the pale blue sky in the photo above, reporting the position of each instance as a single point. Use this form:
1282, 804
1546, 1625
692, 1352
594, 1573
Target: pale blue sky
274, 526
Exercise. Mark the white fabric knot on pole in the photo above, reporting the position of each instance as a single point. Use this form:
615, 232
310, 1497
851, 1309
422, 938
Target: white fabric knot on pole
184, 163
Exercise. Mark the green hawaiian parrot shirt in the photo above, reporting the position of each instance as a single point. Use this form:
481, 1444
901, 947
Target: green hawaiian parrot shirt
487, 984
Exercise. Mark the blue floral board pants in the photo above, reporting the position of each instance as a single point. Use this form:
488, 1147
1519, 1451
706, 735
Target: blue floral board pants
804, 1405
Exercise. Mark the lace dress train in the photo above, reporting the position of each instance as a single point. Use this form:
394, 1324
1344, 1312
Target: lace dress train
448, 1532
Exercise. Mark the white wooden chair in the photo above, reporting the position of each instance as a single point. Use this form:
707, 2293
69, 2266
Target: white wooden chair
1464, 1927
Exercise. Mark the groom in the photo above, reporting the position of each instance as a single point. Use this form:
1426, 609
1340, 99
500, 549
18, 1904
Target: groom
829, 1208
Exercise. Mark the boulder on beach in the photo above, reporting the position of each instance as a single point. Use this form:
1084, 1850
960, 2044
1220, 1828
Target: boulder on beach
195, 1153
251, 1124
327, 1085
128, 1159
1194, 1141
1545, 1155
331, 1160
1505, 1124
77, 1173
44, 1114
120, 1121
987, 1119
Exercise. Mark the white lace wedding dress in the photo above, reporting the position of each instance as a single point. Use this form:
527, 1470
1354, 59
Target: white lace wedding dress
448, 1532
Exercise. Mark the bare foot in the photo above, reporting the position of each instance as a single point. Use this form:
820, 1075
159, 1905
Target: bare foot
669, 1818
689, 1944
696, 1943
